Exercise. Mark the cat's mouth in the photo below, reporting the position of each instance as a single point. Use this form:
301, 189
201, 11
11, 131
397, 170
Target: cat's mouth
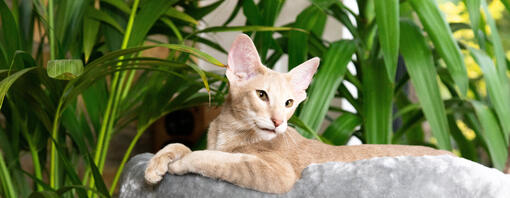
268, 130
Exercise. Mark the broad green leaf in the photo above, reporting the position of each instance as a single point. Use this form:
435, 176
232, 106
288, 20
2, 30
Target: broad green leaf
311, 19
341, 129
387, 14
377, 103
6, 83
422, 71
491, 134
497, 89
65, 69
329, 76
441, 35
176, 14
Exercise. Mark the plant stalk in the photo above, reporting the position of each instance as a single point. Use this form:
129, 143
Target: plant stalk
126, 156
54, 161
110, 112
6, 180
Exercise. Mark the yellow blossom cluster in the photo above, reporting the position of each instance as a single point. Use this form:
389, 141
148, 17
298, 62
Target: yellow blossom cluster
456, 12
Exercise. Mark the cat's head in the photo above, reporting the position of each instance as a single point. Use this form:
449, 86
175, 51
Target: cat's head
263, 98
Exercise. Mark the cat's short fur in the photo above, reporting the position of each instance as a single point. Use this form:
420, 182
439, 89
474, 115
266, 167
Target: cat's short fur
250, 144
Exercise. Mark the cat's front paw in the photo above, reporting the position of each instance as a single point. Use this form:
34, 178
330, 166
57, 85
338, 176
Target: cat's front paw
158, 165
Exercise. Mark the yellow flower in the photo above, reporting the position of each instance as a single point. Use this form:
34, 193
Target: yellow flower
473, 69
453, 12
464, 34
466, 131
470, 94
496, 8
482, 87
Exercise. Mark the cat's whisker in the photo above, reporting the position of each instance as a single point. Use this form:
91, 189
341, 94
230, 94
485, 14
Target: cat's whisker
291, 138
286, 142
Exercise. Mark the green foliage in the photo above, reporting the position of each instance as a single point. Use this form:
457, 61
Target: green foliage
64, 112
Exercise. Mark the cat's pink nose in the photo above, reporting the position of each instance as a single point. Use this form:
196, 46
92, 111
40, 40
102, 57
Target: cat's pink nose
276, 122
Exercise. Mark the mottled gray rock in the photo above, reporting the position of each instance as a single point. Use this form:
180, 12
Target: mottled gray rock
428, 176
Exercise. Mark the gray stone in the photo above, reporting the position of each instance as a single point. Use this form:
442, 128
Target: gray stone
427, 176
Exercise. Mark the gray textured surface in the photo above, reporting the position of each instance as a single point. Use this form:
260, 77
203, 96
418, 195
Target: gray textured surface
439, 176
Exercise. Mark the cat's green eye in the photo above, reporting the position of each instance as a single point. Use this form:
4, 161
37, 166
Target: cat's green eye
262, 95
289, 103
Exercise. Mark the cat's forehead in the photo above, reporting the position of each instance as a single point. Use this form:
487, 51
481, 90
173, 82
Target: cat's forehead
272, 81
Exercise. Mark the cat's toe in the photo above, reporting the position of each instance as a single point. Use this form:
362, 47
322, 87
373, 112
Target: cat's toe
177, 168
156, 168
151, 177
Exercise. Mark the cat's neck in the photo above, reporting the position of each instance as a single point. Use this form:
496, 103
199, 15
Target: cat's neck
228, 132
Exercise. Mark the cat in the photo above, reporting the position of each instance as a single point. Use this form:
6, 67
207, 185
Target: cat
249, 144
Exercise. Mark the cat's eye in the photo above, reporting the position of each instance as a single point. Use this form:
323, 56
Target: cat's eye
262, 95
289, 103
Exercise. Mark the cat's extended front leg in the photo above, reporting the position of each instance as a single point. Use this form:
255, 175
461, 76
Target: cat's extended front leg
246, 170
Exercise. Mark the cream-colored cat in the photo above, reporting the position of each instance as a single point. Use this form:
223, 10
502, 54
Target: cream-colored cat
249, 143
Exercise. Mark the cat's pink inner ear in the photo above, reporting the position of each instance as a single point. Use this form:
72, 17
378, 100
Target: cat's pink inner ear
243, 60
302, 75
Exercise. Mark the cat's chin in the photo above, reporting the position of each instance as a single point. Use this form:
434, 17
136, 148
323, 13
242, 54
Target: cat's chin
265, 134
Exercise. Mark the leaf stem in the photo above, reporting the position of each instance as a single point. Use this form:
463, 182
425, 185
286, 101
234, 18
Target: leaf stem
126, 156
110, 112
6, 180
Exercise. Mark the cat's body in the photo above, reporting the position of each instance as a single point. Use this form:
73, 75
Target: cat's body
249, 143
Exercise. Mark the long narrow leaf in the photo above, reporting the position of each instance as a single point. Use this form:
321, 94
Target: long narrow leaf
491, 134
341, 129
387, 14
9, 32
312, 18
422, 72
327, 80
377, 103
6, 83
441, 35
5, 179
498, 92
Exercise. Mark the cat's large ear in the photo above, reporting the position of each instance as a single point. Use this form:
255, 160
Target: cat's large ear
301, 76
243, 60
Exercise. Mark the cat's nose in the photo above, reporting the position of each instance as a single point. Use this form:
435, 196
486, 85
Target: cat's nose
276, 122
